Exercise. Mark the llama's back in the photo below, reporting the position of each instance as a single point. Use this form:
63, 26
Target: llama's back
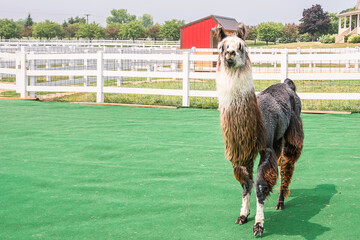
279, 103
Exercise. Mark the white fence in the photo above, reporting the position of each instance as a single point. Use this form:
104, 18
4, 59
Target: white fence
88, 43
185, 67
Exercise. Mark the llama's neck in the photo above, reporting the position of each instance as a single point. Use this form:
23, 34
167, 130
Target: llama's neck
240, 116
233, 85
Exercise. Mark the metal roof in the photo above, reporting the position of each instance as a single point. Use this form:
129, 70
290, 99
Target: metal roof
229, 24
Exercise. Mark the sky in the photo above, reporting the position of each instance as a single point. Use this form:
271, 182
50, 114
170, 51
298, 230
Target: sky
250, 12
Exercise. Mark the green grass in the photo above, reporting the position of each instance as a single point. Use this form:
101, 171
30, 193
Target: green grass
95, 172
12, 94
8, 79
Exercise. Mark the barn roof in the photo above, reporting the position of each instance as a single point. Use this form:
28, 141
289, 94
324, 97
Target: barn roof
228, 23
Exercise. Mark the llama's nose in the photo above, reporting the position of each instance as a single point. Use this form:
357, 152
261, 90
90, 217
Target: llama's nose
231, 53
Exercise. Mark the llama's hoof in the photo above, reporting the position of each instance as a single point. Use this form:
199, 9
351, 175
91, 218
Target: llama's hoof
241, 220
258, 229
280, 206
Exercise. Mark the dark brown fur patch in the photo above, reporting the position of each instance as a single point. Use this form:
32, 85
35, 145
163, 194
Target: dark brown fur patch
241, 174
268, 167
290, 156
270, 176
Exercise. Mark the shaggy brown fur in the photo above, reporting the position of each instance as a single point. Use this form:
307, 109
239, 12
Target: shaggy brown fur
240, 173
243, 131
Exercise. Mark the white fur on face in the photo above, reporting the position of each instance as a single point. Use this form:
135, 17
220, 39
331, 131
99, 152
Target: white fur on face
245, 206
236, 45
234, 81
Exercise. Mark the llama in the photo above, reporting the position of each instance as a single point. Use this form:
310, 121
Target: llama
268, 124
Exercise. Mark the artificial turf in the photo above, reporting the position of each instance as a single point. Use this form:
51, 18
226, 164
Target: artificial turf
96, 172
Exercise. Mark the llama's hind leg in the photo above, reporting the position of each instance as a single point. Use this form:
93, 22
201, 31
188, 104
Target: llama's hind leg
244, 176
266, 179
293, 144
290, 155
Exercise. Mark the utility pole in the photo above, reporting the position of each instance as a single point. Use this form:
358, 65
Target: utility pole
87, 18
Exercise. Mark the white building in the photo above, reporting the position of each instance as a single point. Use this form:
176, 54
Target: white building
349, 22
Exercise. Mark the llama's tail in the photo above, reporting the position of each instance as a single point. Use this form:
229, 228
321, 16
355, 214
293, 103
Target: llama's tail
290, 83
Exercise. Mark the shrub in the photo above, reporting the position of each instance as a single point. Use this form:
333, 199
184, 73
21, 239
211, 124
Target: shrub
347, 37
355, 38
290, 34
305, 37
328, 38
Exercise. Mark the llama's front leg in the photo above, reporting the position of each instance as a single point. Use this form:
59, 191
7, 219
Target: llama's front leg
245, 206
245, 178
266, 179
259, 219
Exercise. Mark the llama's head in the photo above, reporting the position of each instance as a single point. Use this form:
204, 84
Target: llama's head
232, 48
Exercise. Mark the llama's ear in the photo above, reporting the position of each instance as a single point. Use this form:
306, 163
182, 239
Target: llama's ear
241, 31
220, 33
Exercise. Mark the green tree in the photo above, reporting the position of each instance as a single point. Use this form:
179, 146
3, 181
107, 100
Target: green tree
9, 29
90, 31
269, 31
133, 29
29, 22
120, 16
77, 19
47, 29
146, 20
334, 23
21, 22
315, 21
170, 29
153, 31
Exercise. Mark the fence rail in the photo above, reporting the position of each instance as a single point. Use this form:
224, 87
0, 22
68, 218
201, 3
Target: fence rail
116, 43
103, 73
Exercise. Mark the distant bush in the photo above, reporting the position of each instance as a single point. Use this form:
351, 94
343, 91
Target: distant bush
290, 34
305, 37
347, 37
328, 38
355, 38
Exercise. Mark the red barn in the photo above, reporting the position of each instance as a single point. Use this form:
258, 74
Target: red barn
200, 33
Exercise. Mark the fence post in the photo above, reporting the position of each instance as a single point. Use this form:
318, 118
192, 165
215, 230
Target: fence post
21, 77
120, 68
284, 65
100, 77
33, 79
86, 64
298, 52
186, 80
